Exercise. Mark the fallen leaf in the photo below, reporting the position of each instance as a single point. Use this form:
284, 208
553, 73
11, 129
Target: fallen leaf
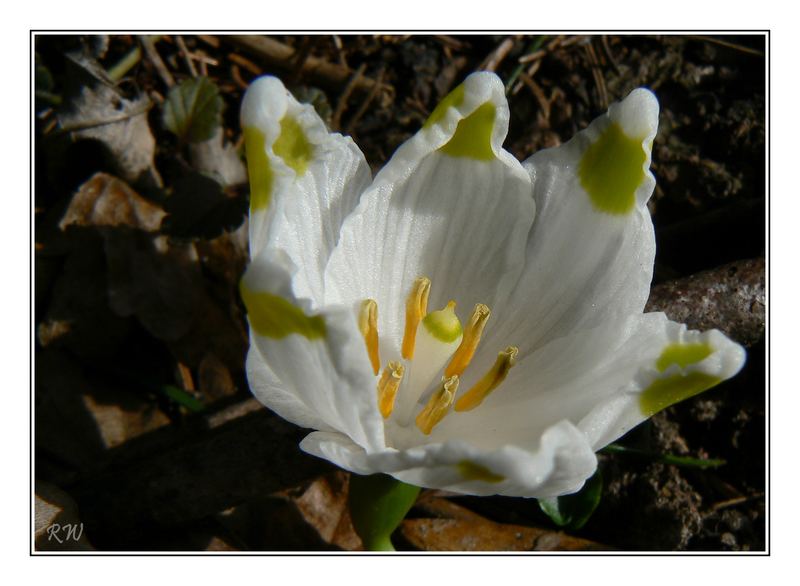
459, 529
105, 200
99, 112
323, 505
57, 526
460, 535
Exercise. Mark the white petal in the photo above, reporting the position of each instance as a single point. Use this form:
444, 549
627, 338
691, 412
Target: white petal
662, 383
559, 464
591, 250
304, 181
269, 390
598, 380
318, 356
459, 216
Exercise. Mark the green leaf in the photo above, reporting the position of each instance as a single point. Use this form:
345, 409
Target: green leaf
683, 461
378, 503
182, 398
193, 109
573, 510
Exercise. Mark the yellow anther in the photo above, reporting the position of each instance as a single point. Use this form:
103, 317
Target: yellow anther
490, 381
438, 405
416, 308
469, 343
368, 324
387, 387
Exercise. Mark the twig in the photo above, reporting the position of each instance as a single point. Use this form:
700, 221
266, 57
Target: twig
186, 55
155, 59
337, 42
204, 61
298, 61
449, 42
599, 82
245, 63
728, 45
84, 124
529, 73
237, 77
276, 54
531, 48
609, 55
538, 93
341, 105
209, 40
495, 58
734, 502
365, 104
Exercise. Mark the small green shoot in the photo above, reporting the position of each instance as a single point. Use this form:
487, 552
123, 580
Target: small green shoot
572, 511
193, 109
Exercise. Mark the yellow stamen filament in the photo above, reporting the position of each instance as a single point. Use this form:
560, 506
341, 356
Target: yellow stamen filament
438, 405
469, 343
368, 324
490, 381
416, 309
387, 387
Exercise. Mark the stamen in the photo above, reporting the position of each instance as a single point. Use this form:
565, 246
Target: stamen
416, 308
490, 381
438, 405
387, 387
368, 324
472, 337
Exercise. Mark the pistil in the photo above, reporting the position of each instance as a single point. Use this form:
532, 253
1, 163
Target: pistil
438, 336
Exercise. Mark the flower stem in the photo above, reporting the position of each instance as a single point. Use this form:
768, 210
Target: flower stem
378, 503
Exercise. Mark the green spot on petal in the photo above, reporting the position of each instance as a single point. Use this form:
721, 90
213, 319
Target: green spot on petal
472, 471
273, 316
454, 99
258, 168
444, 324
683, 355
293, 147
473, 137
667, 391
611, 170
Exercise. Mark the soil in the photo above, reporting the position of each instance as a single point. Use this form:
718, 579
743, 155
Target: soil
111, 342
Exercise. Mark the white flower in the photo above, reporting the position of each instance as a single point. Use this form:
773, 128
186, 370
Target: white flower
559, 249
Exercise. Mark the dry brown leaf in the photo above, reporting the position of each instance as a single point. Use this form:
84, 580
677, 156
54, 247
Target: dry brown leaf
105, 200
323, 505
102, 114
462, 535
459, 529
56, 523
